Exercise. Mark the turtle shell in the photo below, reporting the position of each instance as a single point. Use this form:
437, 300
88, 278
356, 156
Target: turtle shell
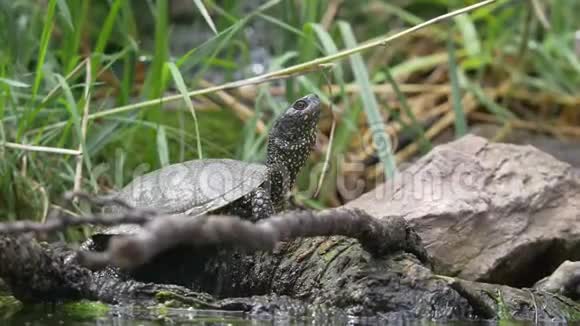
190, 188
194, 187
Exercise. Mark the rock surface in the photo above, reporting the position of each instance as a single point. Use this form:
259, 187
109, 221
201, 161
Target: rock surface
565, 280
490, 212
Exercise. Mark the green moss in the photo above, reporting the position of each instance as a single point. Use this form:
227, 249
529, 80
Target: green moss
163, 296
571, 307
162, 310
9, 306
502, 310
573, 315
328, 250
172, 303
506, 322
332, 248
174, 300
85, 309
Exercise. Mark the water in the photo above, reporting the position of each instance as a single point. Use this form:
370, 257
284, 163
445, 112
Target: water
166, 316
128, 316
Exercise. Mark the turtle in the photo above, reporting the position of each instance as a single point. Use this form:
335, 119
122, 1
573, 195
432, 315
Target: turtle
225, 186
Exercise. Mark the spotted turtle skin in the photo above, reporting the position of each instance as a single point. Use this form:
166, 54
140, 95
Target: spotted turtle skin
224, 186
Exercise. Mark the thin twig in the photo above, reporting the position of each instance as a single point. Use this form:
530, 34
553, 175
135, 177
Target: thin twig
24, 166
326, 159
299, 69
129, 216
71, 74
540, 13
330, 142
577, 43
82, 150
545, 98
100, 200
525, 35
45, 149
35, 185
383, 89
45, 201
330, 13
64, 221
63, 210
535, 306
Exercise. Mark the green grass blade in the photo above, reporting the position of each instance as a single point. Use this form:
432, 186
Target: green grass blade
39, 74
44, 43
329, 47
3, 89
499, 111
424, 142
403, 14
107, 28
162, 147
155, 82
381, 139
13, 83
308, 47
104, 36
129, 28
281, 24
203, 10
250, 140
419, 63
469, 34
178, 79
311, 87
280, 62
211, 47
76, 121
72, 40
120, 158
347, 127
456, 94
310, 11
105, 134
65, 12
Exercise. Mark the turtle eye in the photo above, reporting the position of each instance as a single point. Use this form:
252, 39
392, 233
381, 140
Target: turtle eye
300, 105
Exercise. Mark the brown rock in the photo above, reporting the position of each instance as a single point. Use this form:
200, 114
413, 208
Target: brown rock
490, 212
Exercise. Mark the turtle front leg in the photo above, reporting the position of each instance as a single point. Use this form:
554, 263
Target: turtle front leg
262, 206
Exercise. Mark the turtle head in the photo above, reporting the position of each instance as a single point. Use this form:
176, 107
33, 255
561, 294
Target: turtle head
290, 142
298, 119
